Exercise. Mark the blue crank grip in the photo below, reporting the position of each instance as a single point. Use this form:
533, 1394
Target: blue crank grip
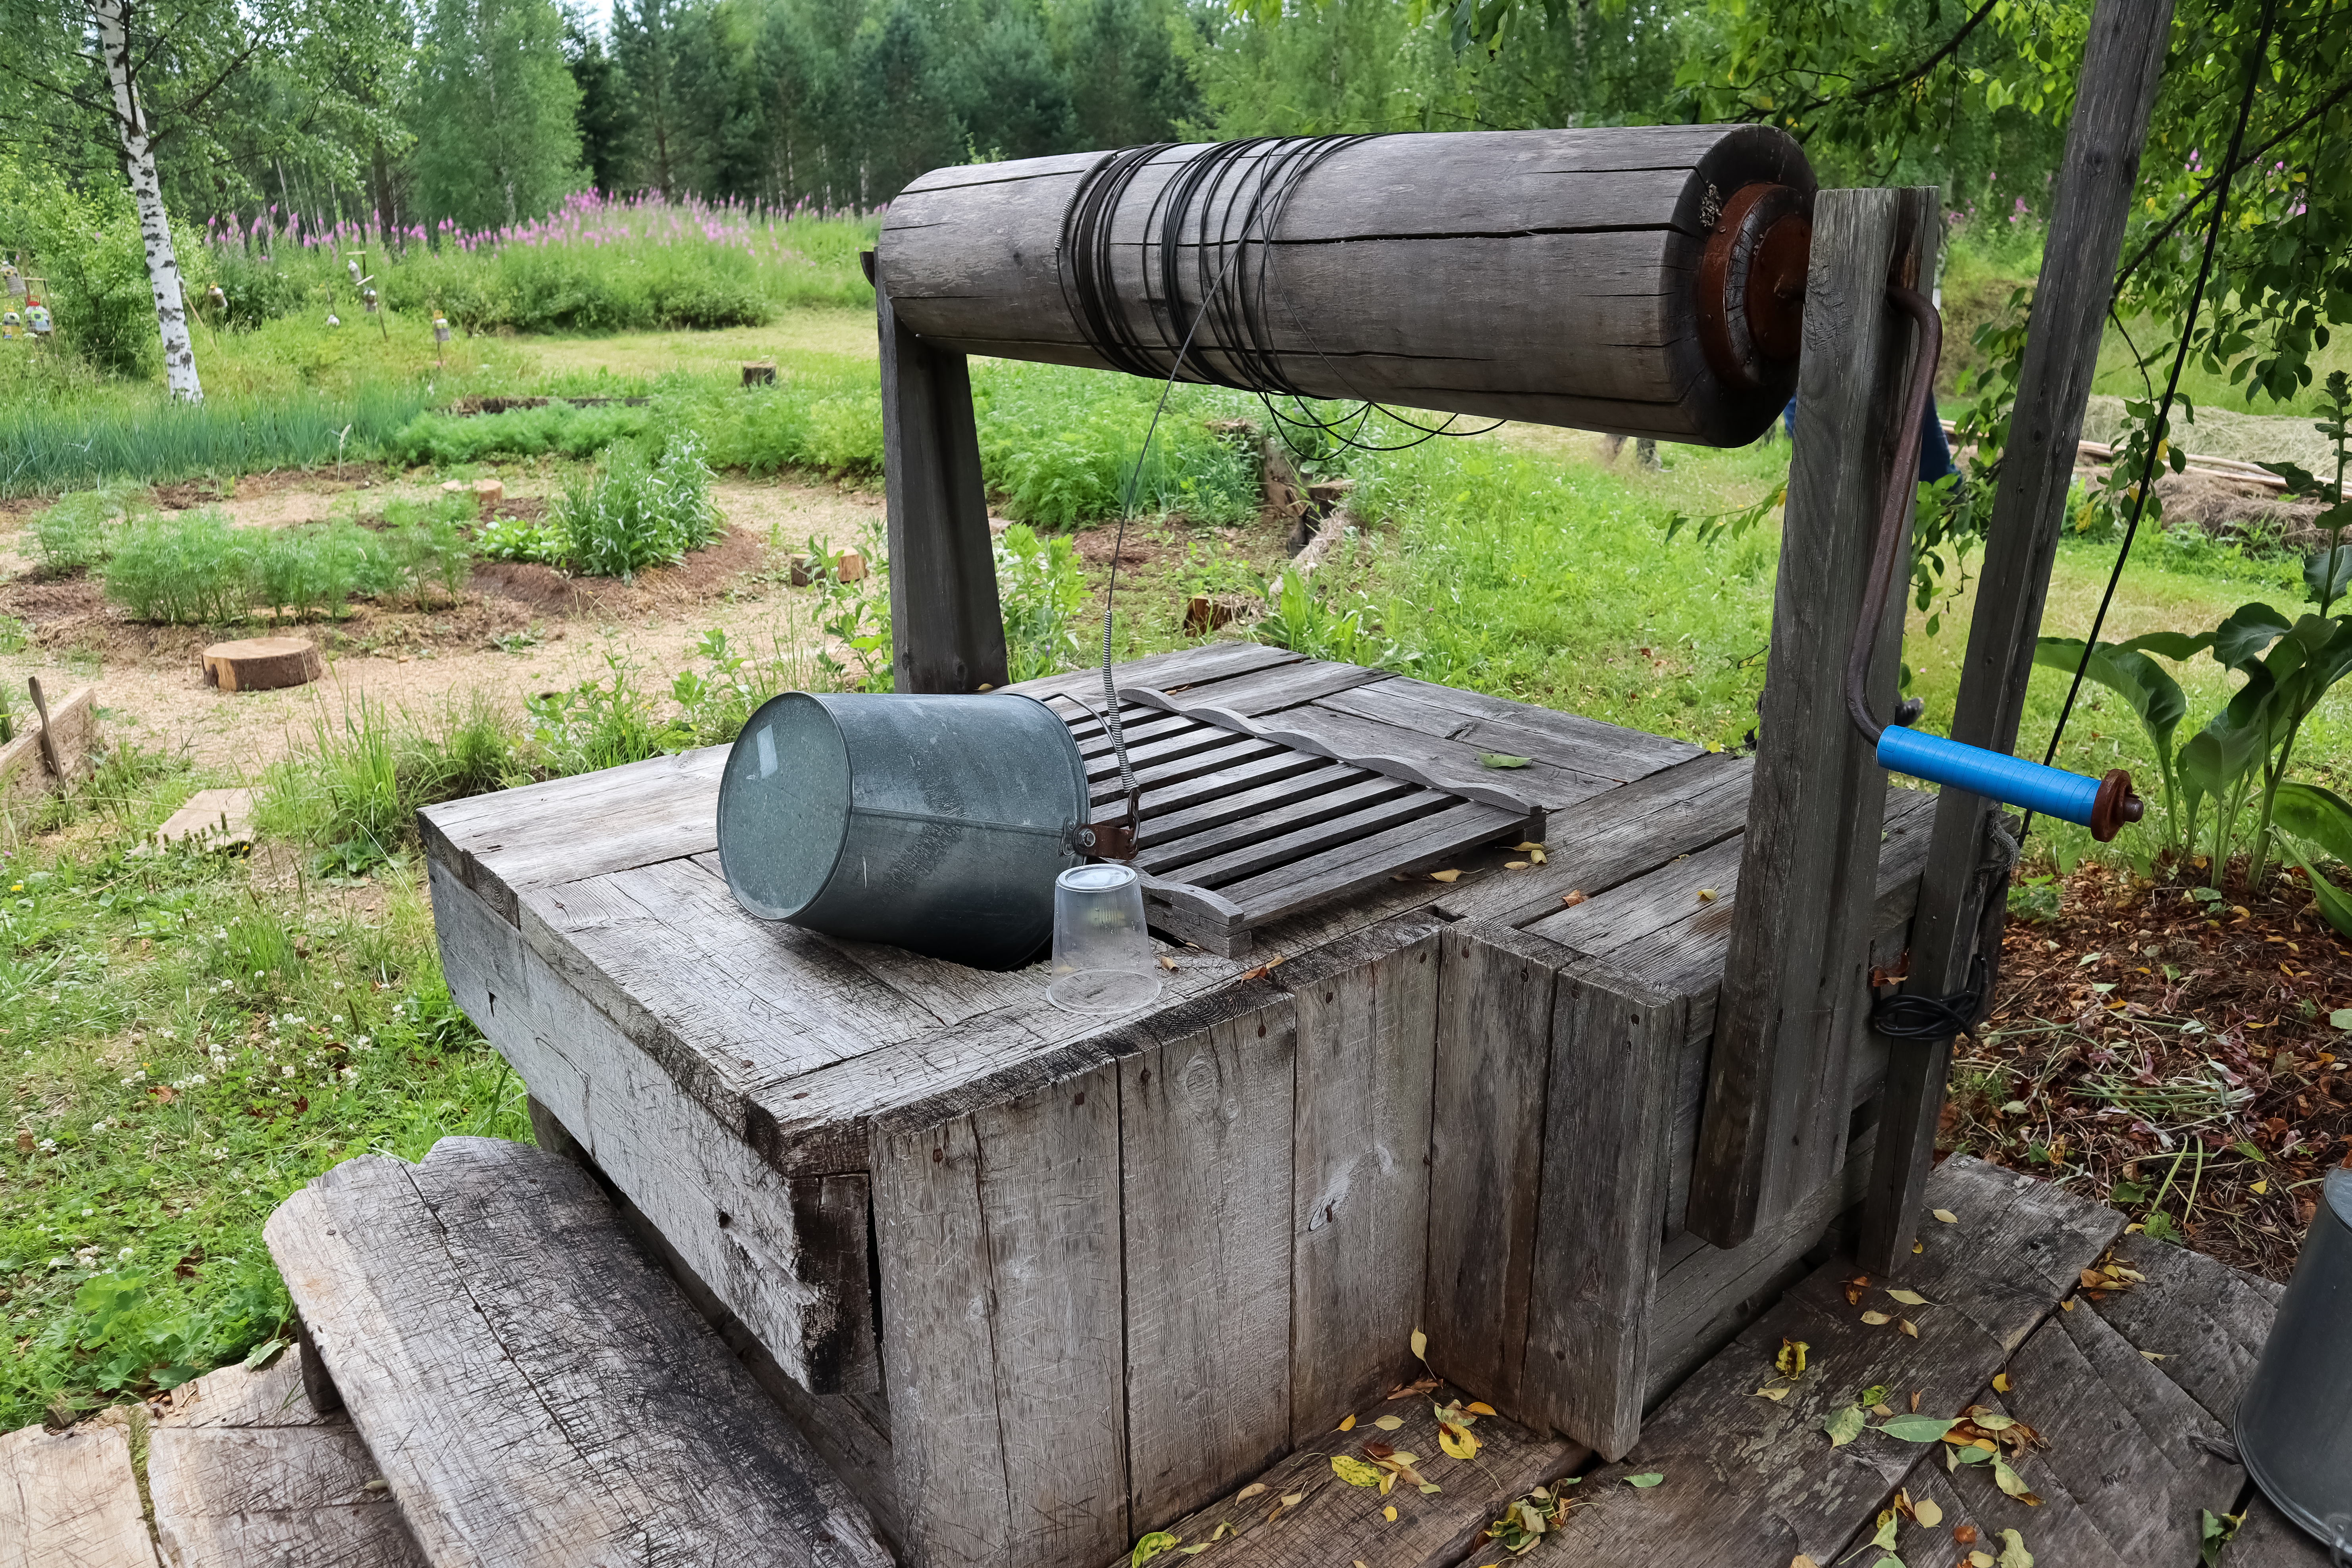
2051, 792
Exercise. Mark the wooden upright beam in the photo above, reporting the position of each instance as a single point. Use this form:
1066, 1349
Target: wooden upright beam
1961, 897
948, 632
1794, 994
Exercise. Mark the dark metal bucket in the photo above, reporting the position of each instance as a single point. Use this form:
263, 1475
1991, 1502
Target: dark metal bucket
2294, 1420
936, 823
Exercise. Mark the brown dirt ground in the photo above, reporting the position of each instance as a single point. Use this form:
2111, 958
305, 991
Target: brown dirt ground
150, 687
2138, 994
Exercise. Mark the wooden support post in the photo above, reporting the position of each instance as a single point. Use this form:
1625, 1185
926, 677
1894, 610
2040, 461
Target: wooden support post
1794, 995
947, 633
1961, 901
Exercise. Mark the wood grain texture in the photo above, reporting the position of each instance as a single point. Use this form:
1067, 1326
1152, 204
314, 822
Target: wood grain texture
1391, 257
1492, 1064
273, 1395
67, 1500
1001, 1312
534, 1388
947, 633
2123, 56
1334, 1524
1615, 1046
1792, 1000
1753, 1481
760, 1238
1367, 1019
2268, 1539
227, 1497
1204, 1149
1589, 746
2209, 1320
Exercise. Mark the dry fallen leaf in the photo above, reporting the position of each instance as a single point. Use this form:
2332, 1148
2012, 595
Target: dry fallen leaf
1347, 1424
1479, 1407
1911, 1298
1458, 1442
1801, 1561
1772, 1393
1964, 1535
1876, 1319
1946, 1215
1915, 1401
1255, 1489
2001, 1382
1574, 897
1706, 895
1388, 1513
1908, 1326
1420, 1345
1980, 1560
1290, 1499
1791, 1361
1927, 1512
1388, 1423
1443, 876
1167, 962
1515, 864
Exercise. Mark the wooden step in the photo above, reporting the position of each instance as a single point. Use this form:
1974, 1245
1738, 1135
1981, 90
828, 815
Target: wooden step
246, 1473
68, 1499
534, 1388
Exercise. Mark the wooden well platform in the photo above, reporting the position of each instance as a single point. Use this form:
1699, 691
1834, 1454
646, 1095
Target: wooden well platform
1050, 1282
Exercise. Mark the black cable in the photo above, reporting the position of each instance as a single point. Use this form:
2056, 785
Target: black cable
1932, 1018
2171, 388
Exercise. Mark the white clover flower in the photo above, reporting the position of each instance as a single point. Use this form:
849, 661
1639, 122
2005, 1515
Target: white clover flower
168, 1034
87, 1213
127, 1252
363, 1043
286, 1072
98, 1127
350, 1074
47, 1145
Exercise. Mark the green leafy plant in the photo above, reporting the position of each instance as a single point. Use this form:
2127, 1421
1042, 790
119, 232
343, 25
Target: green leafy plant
634, 512
2241, 754
598, 725
77, 533
186, 570
857, 617
1041, 590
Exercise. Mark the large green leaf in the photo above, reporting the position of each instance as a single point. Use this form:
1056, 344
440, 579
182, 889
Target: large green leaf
2327, 573
2171, 645
2131, 675
2240, 640
2232, 742
2335, 907
2319, 814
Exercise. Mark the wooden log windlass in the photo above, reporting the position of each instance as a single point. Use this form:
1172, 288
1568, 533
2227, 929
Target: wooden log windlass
1645, 281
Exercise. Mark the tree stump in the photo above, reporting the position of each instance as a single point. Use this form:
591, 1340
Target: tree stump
262, 664
486, 493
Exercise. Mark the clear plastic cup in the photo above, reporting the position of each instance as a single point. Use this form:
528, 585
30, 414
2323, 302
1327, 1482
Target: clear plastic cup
1103, 958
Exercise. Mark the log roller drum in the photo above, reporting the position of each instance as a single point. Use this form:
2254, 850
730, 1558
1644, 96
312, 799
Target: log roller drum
1642, 281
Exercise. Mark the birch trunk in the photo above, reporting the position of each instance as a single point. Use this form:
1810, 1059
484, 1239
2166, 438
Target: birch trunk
113, 17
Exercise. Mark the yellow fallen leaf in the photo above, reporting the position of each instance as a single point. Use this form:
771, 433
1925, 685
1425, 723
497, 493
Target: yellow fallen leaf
1927, 1513
1353, 1472
1167, 962
1911, 1298
1537, 855
1349, 1425
1524, 847
1706, 895
1775, 1394
1290, 1499
1458, 1442
1515, 865
1388, 1513
2259, 1187
1876, 1319
1790, 1361
1255, 1489
1917, 1248
1801, 1561
1479, 1407
2000, 1383
1946, 1215
1420, 1345
1388, 1423
1908, 1326
1980, 1560
1443, 876
2067, 1305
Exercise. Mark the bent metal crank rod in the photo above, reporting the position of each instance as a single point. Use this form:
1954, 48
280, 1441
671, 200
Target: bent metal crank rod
2101, 805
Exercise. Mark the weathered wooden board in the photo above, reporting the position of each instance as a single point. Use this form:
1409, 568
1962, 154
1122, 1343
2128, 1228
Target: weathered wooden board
1494, 1057
1793, 1003
2268, 1539
1204, 1150
1367, 1020
229, 1496
1000, 1236
743, 1228
71, 737
234, 1396
2207, 1319
1615, 1046
67, 1500
1589, 746
1754, 1480
1195, 669
527, 1377
1333, 1525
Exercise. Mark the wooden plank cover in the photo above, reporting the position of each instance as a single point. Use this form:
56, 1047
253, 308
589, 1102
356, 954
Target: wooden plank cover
301, 1494
535, 1389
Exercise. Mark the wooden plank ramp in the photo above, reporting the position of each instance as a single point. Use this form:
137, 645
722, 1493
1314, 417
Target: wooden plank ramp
535, 1389
243, 1469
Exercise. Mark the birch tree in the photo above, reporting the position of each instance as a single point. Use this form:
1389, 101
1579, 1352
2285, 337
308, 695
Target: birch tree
113, 23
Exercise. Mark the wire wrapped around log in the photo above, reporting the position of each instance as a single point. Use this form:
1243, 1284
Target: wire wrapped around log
1643, 281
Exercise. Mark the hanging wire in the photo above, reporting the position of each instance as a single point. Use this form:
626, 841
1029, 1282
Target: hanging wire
2147, 485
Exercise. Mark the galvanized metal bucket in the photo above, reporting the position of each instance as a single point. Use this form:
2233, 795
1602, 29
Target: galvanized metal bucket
936, 823
2294, 1420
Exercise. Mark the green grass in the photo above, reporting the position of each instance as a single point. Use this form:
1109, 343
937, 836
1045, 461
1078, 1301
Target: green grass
196, 568
186, 1046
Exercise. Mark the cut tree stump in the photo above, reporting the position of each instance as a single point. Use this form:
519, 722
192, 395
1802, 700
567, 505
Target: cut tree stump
68, 1499
524, 1373
262, 664
486, 493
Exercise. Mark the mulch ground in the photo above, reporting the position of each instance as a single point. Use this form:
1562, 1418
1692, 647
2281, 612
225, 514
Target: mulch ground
2172, 1054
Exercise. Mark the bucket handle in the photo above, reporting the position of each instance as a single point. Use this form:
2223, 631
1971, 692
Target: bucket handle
1105, 840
